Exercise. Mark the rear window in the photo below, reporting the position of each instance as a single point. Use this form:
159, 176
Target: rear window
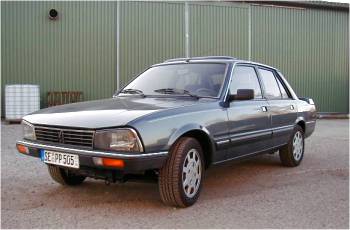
272, 90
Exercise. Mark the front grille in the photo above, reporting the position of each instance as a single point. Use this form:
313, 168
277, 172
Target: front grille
65, 136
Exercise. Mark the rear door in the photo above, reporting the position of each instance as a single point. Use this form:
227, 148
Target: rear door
281, 105
248, 120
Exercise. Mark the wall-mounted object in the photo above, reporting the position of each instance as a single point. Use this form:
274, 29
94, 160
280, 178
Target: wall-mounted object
53, 14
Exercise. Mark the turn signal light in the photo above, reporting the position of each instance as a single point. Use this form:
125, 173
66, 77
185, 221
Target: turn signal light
113, 162
22, 149
109, 162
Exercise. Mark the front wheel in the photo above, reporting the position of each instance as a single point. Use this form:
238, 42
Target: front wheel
292, 154
64, 177
180, 180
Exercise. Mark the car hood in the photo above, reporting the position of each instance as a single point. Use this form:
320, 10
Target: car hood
104, 113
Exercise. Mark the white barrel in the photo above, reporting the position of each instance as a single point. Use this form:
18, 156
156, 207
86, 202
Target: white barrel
21, 100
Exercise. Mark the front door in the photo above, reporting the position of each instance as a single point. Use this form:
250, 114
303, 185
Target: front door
249, 120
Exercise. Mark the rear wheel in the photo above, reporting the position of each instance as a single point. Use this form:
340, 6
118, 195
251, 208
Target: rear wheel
180, 180
292, 154
64, 177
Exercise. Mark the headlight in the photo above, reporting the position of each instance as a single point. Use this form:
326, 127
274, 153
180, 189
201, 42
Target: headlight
28, 131
124, 140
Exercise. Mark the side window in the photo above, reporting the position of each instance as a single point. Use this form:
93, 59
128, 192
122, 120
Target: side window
272, 90
244, 77
283, 90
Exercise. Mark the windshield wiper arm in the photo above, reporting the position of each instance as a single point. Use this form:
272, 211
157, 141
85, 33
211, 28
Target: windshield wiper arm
176, 91
133, 91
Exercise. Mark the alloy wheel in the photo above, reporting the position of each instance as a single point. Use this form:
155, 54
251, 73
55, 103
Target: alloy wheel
191, 173
298, 146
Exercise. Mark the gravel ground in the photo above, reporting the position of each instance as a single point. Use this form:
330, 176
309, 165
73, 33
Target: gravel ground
255, 193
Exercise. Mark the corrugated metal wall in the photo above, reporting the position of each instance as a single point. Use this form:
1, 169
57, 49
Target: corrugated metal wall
149, 34
75, 52
78, 52
219, 30
311, 47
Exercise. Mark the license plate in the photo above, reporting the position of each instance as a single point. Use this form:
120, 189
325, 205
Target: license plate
57, 158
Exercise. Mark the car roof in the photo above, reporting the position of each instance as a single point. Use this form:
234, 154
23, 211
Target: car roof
223, 59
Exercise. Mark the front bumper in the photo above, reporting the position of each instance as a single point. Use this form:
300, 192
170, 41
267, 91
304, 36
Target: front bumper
134, 162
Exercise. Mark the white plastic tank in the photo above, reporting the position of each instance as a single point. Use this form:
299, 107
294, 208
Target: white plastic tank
21, 100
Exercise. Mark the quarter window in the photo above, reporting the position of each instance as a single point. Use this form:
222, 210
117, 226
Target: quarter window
272, 90
283, 90
244, 77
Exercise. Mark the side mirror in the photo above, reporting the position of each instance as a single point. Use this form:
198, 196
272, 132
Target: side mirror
243, 94
116, 93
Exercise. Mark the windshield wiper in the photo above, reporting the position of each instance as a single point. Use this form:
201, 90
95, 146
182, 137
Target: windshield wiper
133, 91
176, 91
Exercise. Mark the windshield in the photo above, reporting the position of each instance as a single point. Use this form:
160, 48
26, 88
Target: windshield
193, 79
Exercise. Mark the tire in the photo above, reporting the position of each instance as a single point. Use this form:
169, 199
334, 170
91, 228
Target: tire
180, 179
292, 154
62, 176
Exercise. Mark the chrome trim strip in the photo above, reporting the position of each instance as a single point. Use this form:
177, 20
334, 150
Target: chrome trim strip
257, 63
260, 133
283, 127
247, 155
95, 153
64, 129
308, 122
229, 58
250, 133
250, 136
222, 142
283, 130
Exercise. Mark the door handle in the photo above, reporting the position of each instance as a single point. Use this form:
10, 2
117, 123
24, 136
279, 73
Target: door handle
264, 108
292, 107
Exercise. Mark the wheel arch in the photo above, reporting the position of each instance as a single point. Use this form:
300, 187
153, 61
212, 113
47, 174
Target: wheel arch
203, 137
301, 122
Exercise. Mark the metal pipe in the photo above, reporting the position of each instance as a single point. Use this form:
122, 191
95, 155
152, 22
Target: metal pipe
118, 45
187, 33
249, 32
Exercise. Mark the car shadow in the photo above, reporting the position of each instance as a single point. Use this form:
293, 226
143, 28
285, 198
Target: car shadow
224, 180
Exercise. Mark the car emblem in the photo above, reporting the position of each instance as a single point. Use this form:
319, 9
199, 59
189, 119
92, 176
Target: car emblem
60, 136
